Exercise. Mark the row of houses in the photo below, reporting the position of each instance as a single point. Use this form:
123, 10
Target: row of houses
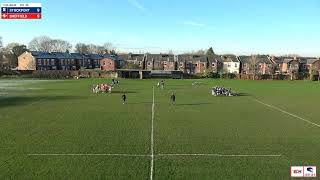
186, 63
36, 60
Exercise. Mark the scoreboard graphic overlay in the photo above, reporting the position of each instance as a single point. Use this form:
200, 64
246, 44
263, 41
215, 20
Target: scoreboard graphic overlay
21, 11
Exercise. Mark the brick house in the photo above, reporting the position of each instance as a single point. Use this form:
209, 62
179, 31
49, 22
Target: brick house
194, 64
36, 60
263, 64
215, 63
286, 65
138, 59
309, 64
160, 62
111, 63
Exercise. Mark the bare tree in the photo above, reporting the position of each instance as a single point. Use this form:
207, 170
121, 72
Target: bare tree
92, 48
11, 53
82, 48
41, 43
45, 43
58, 45
108, 47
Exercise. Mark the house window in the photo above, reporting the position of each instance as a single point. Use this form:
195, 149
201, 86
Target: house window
104, 63
229, 65
236, 65
213, 65
52, 62
202, 64
149, 64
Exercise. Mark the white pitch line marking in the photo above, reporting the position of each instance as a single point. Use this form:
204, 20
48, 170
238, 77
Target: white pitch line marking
285, 112
225, 155
90, 154
151, 143
146, 155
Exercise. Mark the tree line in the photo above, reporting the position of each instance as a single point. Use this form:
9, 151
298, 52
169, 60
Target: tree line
9, 54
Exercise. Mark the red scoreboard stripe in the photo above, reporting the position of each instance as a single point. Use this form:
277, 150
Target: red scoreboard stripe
21, 16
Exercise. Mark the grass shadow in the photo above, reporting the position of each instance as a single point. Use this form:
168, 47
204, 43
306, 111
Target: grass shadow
121, 92
30, 100
243, 94
193, 104
139, 103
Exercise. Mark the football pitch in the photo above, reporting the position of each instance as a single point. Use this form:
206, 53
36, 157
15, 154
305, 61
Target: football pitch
61, 130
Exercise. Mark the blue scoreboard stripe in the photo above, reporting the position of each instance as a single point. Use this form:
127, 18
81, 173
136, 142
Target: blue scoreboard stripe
21, 10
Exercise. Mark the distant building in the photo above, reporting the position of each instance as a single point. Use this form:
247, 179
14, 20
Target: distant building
111, 63
261, 64
189, 63
231, 64
37, 60
160, 62
137, 59
310, 64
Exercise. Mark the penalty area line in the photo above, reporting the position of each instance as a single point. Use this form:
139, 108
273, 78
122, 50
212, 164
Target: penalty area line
285, 112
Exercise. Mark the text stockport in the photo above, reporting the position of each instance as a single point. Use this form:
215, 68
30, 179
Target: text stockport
19, 10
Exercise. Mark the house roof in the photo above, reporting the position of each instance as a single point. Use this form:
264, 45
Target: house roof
308, 60
131, 56
260, 59
65, 55
42, 55
229, 58
192, 58
113, 57
160, 57
77, 55
288, 60
60, 55
96, 56
215, 58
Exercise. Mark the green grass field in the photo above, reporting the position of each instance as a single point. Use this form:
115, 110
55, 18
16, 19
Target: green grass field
60, 130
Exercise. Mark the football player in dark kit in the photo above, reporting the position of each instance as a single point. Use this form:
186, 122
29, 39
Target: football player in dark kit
124, 98
173, 98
